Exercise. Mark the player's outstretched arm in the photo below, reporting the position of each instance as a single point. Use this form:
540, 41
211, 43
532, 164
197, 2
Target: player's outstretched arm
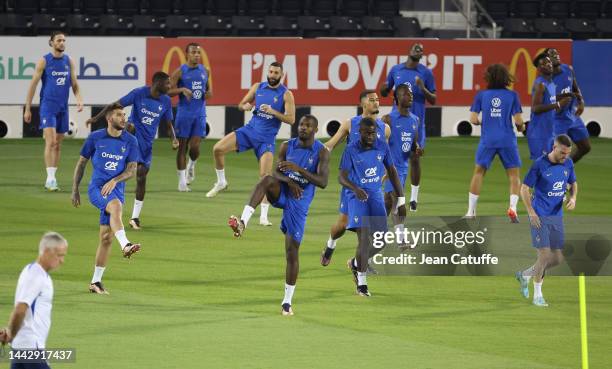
40, 67
342, 132
102, 113
75, 86
79, 171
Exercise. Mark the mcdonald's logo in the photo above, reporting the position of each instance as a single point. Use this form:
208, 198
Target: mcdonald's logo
531, 70
175, 50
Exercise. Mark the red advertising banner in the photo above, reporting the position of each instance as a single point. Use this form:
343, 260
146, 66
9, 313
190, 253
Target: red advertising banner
335, 71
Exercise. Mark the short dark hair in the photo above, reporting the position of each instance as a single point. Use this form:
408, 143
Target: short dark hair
401, 86
367, 122
564, 140
190, 45
312, 118
276, 64
159, 77
498, 77
538, 58
365, 93
114, 106
55, 33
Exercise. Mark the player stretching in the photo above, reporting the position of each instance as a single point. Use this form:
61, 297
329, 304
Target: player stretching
403, 143
273, 104
150, 106
361, 170
369, 102
499, 106
58, 73
302, 165
548, 177
421, 81
114, 155
567, 120
543, 107
191, 82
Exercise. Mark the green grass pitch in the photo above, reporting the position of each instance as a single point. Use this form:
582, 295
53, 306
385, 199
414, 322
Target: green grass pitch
195, 297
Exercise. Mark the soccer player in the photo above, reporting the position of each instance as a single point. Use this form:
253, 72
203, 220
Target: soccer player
58, 74
30, 320
361, 171
548, 177
114, 155
191, 82
567, 120
499, 106
349, 129
302, 165
274, 104
421, 81
543, 106
403, 143
150, 107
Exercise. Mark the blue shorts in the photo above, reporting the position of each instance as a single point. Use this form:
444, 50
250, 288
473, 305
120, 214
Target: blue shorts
100, 202
294, 214
369, 214
550, 234
402, 173
575, 128
509, 156
345, 197
246, 140
146, 154
539, 147
186, 125
58, 120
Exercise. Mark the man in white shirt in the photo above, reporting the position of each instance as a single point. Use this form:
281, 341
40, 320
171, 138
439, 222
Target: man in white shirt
30, 320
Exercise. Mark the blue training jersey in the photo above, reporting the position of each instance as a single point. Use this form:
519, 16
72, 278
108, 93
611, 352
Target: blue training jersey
366, 167
497, 107
109, 156
541, 125
354, 134
194, 79
56, 82
307, 158
549, 181
400, 74
147, 112
265, 126
564, 83
404, 129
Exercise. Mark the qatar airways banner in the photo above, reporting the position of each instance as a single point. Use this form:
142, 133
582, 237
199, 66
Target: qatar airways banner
334, 71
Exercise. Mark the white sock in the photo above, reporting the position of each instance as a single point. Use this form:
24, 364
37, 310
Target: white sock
472, 200
247, 213
51, 173
355, 263
220, 176
362, 279
414, 193
97, 276
191, 163
122, 238
537, 289
137, 208
513, 201
182, 174
399, 229
289, 289
264, 211
331, 243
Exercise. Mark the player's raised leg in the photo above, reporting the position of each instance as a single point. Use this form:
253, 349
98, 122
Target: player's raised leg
265, 168
269, 187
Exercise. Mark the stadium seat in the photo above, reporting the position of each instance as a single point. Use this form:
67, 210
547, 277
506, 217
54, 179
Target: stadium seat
81, 25
291, 8
181, 25
44, 24
528, 8
94, 7
499, 10
312, 26
116, 25
345, 26
192, 7
590, 9
407, 27
278, 25
127, 7
212, 25
606, 9
245, 25
226, 8
355, 8
323, 8
377, 26
149, 25
14, 24
550, 28
604, 27
260, 8
58, 7
518, 28
385, 8
160, 7
581, 29
27, 7
557, 8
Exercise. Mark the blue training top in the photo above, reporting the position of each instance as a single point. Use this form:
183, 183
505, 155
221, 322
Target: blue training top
307, 158
194, 79
265, 126
56, 83
497, 107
